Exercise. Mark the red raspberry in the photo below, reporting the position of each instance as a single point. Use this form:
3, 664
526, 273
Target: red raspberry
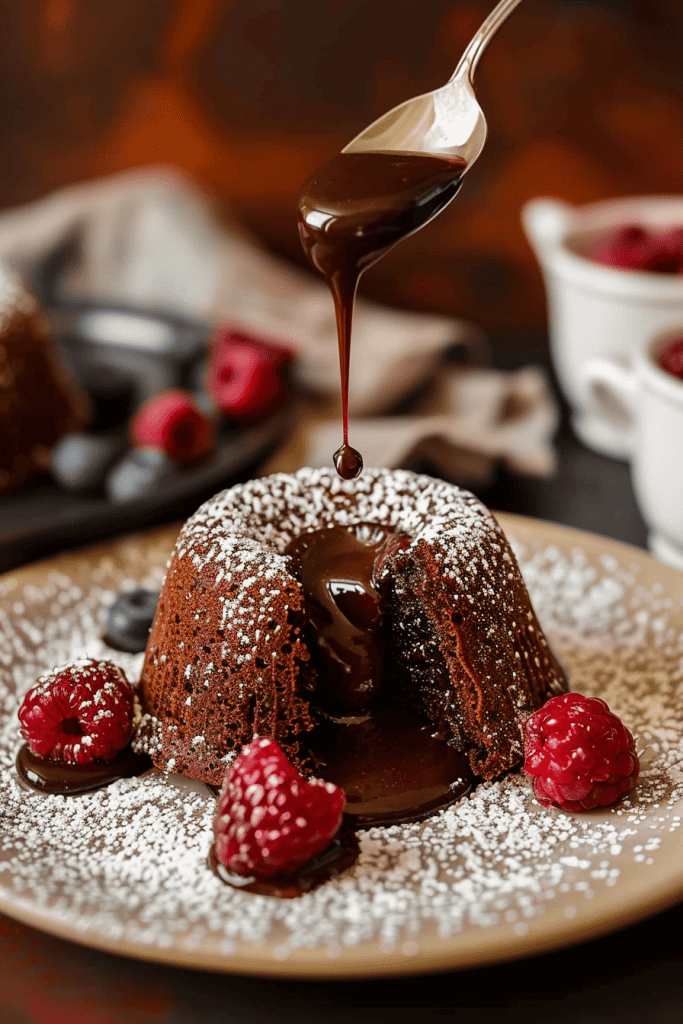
175, 424
580, 755
631, 248
78, 713
671, 359
635, 248
246, 375
269, 820
668, 255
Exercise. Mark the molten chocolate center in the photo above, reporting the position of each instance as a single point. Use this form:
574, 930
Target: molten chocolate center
364, 738
344, 608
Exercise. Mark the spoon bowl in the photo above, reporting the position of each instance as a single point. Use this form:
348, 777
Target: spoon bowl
446, 121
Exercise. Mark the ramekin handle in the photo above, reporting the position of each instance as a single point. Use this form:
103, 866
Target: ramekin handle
545, 222
612, 387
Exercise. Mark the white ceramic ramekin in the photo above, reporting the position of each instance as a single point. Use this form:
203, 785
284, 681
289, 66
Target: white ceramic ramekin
599, 311
650, 400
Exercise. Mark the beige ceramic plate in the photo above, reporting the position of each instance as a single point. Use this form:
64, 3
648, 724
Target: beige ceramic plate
493, 878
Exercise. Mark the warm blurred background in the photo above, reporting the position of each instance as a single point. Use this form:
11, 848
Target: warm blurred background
584, 100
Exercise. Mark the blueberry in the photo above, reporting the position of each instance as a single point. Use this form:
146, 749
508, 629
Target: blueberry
138, 474
79, 462
129, 620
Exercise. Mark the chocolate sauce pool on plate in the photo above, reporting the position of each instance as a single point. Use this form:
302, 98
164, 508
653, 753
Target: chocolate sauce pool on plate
47, 776
337, 857
392, 769
351, 212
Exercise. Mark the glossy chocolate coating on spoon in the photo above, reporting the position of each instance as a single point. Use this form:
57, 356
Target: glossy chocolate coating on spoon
351, 212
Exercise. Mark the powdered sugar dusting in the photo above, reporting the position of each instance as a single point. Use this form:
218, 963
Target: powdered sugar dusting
273, 511
128, 863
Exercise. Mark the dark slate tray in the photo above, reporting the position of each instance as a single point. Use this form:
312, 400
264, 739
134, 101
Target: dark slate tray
42, 519
118, 372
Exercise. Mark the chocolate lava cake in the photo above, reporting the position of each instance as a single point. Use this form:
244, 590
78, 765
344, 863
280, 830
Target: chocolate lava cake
231, 652
38, 400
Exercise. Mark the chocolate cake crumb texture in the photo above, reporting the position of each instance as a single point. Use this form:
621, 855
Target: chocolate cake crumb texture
129, 863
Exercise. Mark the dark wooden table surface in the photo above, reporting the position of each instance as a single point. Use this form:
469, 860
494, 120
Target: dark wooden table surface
632, 976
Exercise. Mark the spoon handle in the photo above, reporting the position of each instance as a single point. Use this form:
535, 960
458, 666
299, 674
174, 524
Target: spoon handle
470, 58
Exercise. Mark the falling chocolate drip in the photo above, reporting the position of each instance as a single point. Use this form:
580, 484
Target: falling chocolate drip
347, 461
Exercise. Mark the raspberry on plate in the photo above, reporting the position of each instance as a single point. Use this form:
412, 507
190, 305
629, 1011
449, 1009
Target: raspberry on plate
269, 819
78, 713
579, 754
173, 423
245, 377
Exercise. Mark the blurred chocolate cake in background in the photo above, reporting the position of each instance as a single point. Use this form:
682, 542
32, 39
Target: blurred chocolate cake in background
39, 401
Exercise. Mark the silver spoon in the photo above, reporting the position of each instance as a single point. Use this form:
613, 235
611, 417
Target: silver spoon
447, 120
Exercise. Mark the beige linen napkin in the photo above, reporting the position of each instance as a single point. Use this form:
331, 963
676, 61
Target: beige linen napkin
473, 419
151, 238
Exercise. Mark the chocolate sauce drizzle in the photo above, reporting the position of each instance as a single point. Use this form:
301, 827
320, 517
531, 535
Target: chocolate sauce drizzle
351, 212
47, 776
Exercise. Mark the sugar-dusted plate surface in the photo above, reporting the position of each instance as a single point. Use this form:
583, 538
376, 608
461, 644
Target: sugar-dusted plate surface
492, 878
